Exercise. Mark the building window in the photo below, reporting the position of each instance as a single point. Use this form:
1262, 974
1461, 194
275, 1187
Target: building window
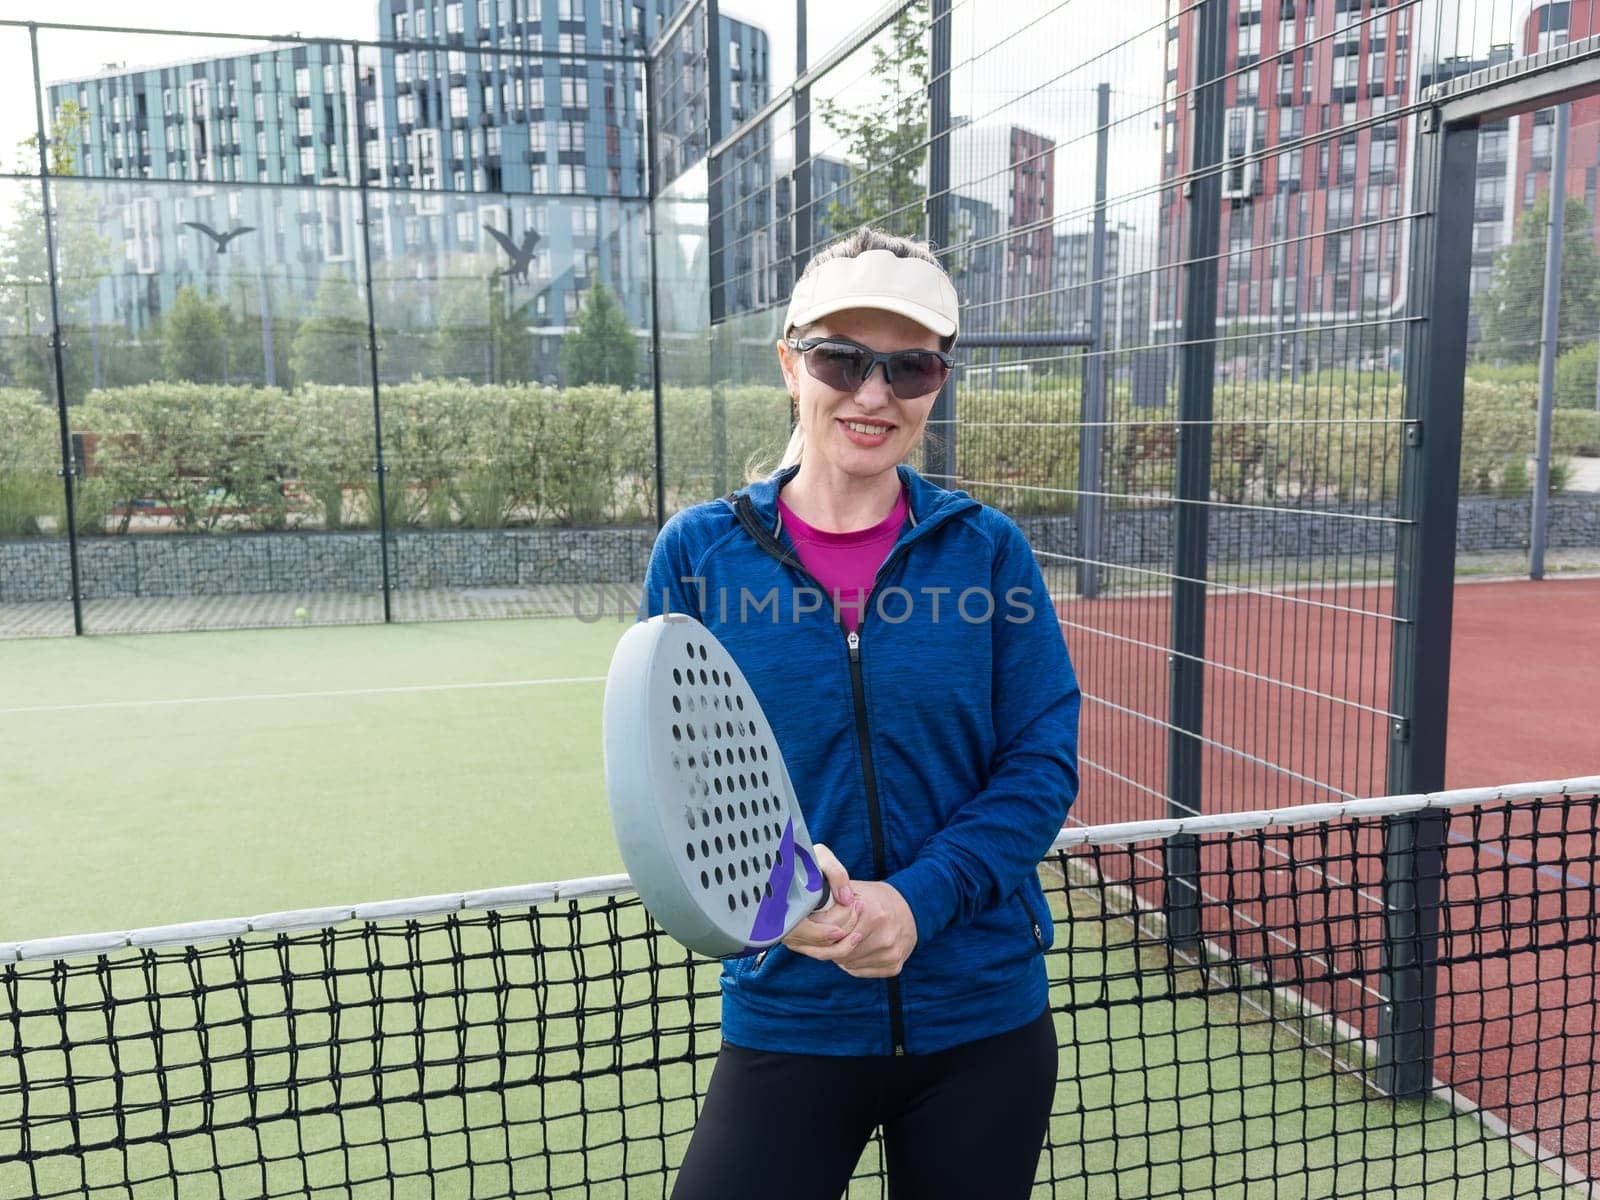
574, 93
308, 160
426, 156
1286, 32
452, 17
402, 26
456, 62
1249, 87
492, 139
483, 14
536, 137
458, 102
1249, 44
571, 136
302, 81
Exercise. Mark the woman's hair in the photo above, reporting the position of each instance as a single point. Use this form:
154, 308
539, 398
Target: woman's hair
858, 243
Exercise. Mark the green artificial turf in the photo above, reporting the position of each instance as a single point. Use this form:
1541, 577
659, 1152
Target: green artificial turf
141, 814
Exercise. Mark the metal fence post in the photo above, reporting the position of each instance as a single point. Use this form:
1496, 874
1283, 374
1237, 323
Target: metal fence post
68, 461
372, 350
1549, 340
1192, 488
941, 457
652, 146
1419, 683
1092, 430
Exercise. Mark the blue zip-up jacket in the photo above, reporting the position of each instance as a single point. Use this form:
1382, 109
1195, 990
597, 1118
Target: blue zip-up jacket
936, 749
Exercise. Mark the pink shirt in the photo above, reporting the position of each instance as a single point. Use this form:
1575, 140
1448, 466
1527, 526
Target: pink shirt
845, 564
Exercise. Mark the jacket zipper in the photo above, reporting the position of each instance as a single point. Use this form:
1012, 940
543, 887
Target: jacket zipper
897, 1022
764, 539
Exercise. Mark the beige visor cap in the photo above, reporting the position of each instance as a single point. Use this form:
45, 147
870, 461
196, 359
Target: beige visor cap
876, 279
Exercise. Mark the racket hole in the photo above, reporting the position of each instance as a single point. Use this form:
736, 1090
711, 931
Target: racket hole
741, 783
677, 676
769, 866
744, 839
764, 756
744, 809
705, 881
677, 704
690, 728
717, 783
677, 733
717, 757
702, 653
704, 678
764, 781
688, 848
705, 818
744, 867
739, 700
741, 753
767, 890
732, 904
718, 875
688, 818
705, 850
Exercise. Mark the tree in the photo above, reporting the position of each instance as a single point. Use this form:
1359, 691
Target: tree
82, 253
885, 141
481, 334
1510, 307
603, 349
194, 339
331, 344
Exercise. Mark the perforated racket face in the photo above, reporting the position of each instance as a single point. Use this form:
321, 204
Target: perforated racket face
703, 806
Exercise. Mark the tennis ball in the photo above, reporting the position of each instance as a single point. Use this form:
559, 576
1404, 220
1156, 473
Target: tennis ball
300, 614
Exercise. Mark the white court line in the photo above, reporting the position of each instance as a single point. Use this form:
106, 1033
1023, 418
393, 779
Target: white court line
382, 691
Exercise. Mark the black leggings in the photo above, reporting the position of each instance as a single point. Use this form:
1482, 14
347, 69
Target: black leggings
966, 1122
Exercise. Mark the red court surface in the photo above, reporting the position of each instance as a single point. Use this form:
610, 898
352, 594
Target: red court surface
1295, 703
1524, 682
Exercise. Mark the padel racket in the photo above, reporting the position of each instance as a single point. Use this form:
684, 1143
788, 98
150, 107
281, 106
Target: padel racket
704, 811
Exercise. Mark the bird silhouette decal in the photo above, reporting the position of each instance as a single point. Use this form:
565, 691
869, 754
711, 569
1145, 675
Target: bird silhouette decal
521, 255
220, 240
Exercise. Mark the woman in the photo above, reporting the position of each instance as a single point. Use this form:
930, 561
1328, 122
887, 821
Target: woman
903, 646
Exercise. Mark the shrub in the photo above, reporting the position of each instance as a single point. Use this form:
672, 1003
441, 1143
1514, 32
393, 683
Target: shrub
30, 462
1575, 378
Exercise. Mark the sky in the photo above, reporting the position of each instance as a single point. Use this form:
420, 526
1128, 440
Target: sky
1029, 62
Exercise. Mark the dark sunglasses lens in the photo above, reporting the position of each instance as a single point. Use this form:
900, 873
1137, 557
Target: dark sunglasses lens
842, 368
916, 374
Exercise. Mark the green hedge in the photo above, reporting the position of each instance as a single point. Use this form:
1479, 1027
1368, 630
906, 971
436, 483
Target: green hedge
464, 455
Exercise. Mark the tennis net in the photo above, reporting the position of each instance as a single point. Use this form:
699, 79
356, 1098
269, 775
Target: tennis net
1233, 994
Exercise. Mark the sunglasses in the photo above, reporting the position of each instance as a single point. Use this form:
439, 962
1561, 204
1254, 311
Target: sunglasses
845, 366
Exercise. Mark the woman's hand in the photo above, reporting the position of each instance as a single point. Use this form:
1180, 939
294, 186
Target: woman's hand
869, 932
823, 931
